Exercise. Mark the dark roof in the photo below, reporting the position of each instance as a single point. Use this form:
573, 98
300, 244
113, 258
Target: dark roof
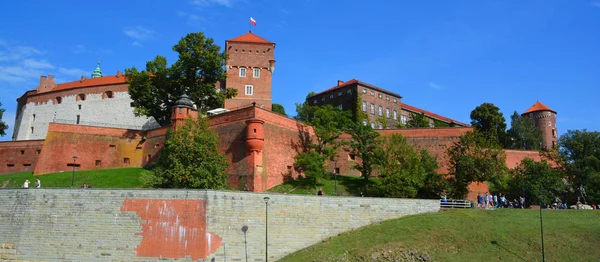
184, 101
430, 114
354, 81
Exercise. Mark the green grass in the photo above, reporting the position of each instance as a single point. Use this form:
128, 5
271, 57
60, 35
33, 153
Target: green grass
469, 235
346, 186
103, 178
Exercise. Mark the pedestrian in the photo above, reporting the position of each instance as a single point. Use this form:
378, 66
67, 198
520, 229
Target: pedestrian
320, 192
26, 184
479, 200
38, 183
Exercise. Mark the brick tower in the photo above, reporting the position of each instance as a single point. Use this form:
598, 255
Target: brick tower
545, 120
250, 65
183, 108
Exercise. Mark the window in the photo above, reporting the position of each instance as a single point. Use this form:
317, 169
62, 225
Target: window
78, 118
387, 112
372, 109
138, 148
33, 118
352, 156
26, 164
387, 98
108, 94
256, 73
431, 124
98, 162
349, 91
364, 122
180, 110
32, 130
341, 107
58, 100
37, 152
81, 97
112, 146
331, 96
340, 93
380, 111
372, 93
364, 90
79, 107
10, 165
364, 106
315, 101
148, 157
249, 90
126, 160
553, 132
22, 152
337, 170
403, 119
380, 126
395, 100
379, 95
372, 125
242, 72
156, 145
395, 115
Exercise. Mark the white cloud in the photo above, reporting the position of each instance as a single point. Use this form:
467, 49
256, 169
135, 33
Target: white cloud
435, 86
37, 64
595, 3
192, 19
12, 53
72, 71
17, 73
136, 43
139, 33
203, 3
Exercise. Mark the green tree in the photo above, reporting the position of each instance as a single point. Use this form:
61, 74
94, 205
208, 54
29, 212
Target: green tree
365, 145
580, 158
435, 183
474, 158
534, 181
417, 120
523, 134
199, 67
190, 159
489, 121
312, 165
3, 125
279, 109
400, 169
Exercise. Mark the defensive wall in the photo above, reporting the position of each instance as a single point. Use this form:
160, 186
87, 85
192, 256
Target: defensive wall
19, 156
179, 225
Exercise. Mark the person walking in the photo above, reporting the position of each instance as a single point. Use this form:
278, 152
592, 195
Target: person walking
26, 184
38, 183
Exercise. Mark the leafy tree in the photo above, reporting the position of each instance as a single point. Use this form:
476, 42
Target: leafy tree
580, 157
534, 181
489, 121
199, 67
523, 134
417, 120
364, 144
279, 109
3, 126
190, 159
435, 183
474, 158
400, 168
312, 165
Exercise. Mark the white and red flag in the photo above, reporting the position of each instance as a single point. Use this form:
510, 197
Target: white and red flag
252, 21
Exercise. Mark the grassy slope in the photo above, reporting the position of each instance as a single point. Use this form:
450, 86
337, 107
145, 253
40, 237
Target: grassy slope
346, 186
104, 178
468, 235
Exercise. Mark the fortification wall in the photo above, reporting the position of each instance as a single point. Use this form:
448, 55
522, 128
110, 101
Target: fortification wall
19, 156
179, 225
85, 106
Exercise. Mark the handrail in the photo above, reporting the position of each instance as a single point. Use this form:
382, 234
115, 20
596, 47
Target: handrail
456, 203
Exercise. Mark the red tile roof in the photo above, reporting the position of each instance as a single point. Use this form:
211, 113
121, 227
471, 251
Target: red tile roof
354, 81
538, 106
250, 38
105, 80
432, 115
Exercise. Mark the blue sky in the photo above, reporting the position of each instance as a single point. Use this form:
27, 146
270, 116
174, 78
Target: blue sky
443, 56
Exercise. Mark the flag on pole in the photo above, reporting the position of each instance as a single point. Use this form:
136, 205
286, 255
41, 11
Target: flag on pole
252, 21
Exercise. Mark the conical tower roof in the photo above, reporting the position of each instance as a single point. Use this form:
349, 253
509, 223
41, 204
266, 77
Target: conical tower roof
184, 101
97, 72
538, 106
250, 38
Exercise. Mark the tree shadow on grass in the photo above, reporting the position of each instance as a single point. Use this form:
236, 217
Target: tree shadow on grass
494, 242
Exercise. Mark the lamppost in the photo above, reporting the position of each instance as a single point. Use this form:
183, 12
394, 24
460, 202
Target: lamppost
266, 228
542, 228
245, 229
335, 178
73, 176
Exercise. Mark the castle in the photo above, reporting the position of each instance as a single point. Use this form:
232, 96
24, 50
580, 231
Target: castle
89, 123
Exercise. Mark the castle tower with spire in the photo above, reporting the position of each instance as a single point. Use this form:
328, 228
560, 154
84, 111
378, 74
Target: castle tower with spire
97, 72
545, 120
250, 65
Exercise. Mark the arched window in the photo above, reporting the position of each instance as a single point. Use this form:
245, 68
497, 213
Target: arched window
108, 94
58, 100
81, 97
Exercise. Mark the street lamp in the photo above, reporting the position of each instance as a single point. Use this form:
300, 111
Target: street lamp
245, 229
266, 228
73, 176
542, 228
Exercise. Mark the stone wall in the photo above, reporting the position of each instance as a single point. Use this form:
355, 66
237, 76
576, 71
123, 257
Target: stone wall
178, 225
19, 156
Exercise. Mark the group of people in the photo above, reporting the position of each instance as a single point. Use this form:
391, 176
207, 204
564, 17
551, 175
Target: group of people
38, 183
498, 201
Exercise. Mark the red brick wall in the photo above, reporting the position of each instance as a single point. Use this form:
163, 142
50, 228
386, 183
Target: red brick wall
19, 156
249, 56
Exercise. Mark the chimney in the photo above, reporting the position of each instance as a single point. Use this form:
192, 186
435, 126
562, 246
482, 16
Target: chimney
82, 79
42, 79
119, 74
340, 82
51, 77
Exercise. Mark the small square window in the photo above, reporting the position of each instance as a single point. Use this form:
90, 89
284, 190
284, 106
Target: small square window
37, 152
364, 122
395, 100
372, 93
242, 72
249, 90
349, 91
379, 95
364, 106
33, 118
98, 162
372, 125
10, 165
315, 101
156, 145
126, 160
323, 99
331, 96
22, 152
364, 90
352, 156
387, 98
112, 146
79, 107
372, 109
340, 93
256, 73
